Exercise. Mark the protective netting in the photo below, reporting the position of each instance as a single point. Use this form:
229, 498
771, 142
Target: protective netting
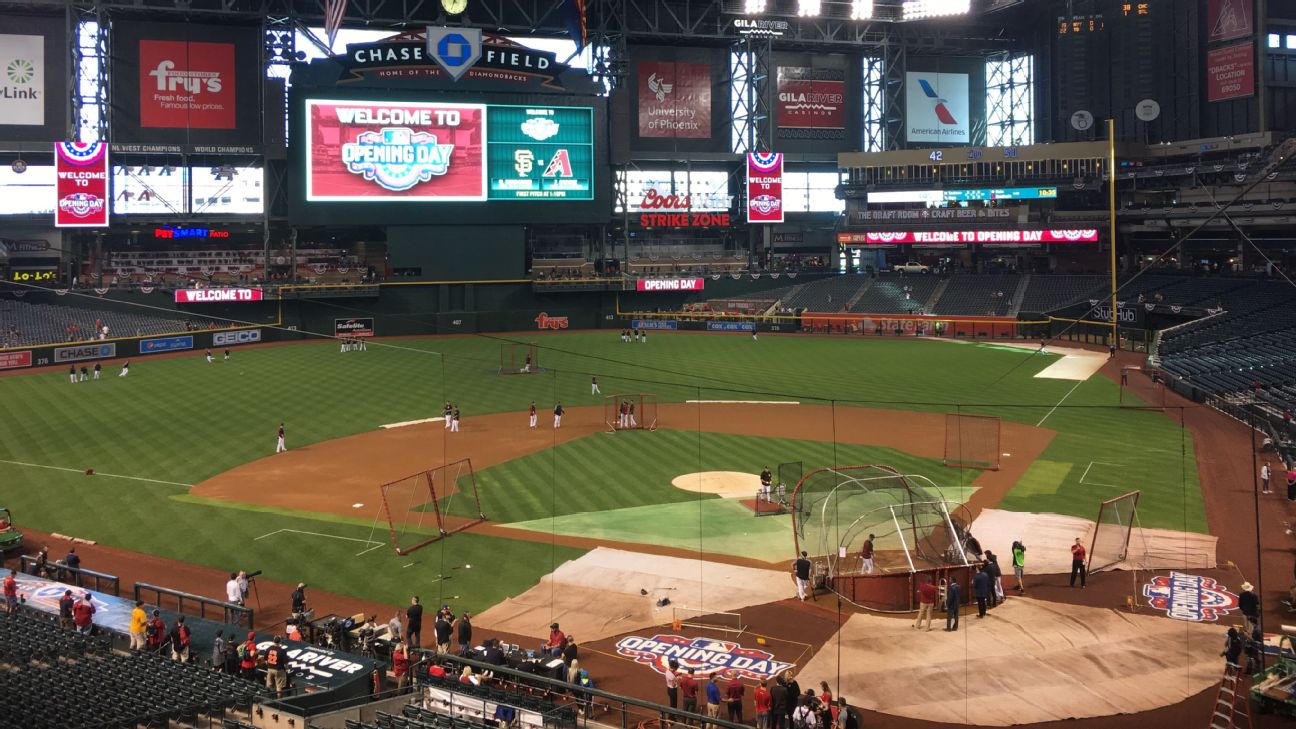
1112, 531
519, 358
972, 441
637, 411
836, 509
417, 507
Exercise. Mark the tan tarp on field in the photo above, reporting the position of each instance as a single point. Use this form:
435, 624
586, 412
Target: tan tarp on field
1028, 661
598, 595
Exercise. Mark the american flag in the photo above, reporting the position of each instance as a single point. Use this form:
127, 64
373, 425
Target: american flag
334, 11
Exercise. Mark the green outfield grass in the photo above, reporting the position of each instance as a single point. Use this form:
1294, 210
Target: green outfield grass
179, 421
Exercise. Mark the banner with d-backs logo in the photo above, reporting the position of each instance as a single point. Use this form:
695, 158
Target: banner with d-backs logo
674, 99
363, 327
81, 185
705, 656
765, 187
414, 151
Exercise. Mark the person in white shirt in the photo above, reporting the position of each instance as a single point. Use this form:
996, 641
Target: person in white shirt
233, 593
1264, 479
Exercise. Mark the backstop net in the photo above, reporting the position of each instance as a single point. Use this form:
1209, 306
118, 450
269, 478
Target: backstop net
972, 441
418, 507
637, 411
519, 358
834, 510
1112, 531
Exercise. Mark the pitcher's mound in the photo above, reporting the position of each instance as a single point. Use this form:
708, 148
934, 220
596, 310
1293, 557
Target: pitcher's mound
727, 484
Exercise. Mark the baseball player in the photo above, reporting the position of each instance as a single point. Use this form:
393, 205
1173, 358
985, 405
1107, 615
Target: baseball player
766, 480
279, 445
558, 413
454, 424
227, 355
209, 357
85, 374
447, 413
72, 374
630, 418
362, 343
621, 414
754, 335
97, 368
594, 388
866, 556
125, 370
533, 415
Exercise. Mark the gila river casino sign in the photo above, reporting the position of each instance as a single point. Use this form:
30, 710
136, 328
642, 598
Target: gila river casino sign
705, 656
1190, 597
81, 185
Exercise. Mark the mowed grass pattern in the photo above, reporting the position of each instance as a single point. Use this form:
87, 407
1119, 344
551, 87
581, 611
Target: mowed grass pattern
182, 420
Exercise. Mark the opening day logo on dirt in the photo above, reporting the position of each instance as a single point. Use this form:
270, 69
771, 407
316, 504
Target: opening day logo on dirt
705, 656
1190, 597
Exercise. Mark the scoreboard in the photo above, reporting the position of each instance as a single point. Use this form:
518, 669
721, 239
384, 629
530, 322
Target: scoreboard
540, 152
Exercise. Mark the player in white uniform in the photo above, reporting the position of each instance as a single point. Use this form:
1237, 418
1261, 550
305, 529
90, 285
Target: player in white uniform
558, 413
125, 370
279, 444
209, 357
533, 415
454, 423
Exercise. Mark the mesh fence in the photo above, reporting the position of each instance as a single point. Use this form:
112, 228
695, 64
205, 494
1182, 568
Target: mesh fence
418, 507
971, 441
1112, 531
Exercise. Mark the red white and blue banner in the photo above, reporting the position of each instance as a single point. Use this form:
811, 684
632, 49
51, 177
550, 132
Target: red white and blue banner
1192, 598
81, 185
921, 237
765, 187
707, 657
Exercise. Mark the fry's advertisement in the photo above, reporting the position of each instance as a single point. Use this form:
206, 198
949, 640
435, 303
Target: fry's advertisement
187, 85
415, 151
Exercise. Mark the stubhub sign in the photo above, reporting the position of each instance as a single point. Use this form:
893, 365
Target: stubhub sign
208, 296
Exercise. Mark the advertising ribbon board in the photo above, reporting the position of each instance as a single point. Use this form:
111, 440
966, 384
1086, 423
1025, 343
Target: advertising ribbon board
166, 344
666, 324
731, 326
81, 186
209, 296
363, 327
15, 360
670, 284
764, 187
921, 237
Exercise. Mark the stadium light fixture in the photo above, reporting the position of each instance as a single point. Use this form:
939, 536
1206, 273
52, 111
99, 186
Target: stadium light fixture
919, 9
753, 7
808, 8
861, 10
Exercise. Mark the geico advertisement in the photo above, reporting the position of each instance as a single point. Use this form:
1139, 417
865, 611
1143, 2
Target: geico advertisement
413, 151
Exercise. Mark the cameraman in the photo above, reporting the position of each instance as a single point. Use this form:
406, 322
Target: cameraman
1019, 565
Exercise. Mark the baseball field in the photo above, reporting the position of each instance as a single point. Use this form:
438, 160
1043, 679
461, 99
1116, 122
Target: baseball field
182, 450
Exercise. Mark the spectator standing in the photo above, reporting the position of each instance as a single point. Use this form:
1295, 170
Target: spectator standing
73, 560
996, 578
83, 615
803, 717
826, 702
1249, 605
672, 688
952, 600
1019, 565
1264, 478
156, 632
299, 599
465, 635
138, 626
414, 622
218, 652
981, 590
11, 591
444, 630
713, 697
778, 704
689, 691
762, 703
400, 665
394, 628
41, 568
570, 652
927, 594
243, 584
179, 637
793, 697
65, 609
276, 667
846, 718
248, 657
1077, 563
735, 692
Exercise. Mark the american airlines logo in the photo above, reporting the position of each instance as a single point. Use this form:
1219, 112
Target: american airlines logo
942, 111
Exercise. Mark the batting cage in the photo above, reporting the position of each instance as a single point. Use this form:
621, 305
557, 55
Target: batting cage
907, 517
1111, 535
519, 358
418, 507
636, 411
972, 441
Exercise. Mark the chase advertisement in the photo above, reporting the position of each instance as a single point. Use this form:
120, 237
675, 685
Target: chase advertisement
363, 151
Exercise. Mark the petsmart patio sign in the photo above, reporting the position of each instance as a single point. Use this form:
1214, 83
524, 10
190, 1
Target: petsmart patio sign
705, 656
1190, 597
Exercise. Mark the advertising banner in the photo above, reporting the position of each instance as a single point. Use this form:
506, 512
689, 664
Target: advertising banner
1228, 19
85, 351
14, 360
33, 74
668, 324
243, 336
764, 187
166, 344
407, 151
209, 296
1230, 72
731, 326
186, 83
921, 237
936, 107
22, 88
674, 99
670, 284
363, 327
81, 185
811, 102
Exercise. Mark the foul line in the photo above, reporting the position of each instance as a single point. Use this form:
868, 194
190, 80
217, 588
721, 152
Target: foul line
375, 545
96, 473
412, 422
744, 402
1059, 402
1098, 463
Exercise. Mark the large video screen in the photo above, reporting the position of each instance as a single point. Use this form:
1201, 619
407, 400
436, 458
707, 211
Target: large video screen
417, 151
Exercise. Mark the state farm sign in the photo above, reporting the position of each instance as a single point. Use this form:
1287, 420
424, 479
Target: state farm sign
670, 284
208, 296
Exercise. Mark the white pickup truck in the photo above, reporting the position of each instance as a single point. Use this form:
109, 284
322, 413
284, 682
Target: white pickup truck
911, 267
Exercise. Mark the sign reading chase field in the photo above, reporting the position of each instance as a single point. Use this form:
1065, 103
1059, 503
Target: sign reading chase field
705, 656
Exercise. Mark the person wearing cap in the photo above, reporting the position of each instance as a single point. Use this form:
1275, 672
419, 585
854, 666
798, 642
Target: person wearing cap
65, 604
179, 639
156, 631
11, 591
1077, 563
556, 640
400, 664
444, 630
248, 657
277, 667
138, 626
1249, 605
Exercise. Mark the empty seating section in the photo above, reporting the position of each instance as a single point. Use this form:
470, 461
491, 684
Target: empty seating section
890, 294
1179, 290
984, 295
827, 294
1046, 293
58, 678
24, 325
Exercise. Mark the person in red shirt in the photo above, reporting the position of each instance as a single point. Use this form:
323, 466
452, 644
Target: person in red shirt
926, 603
688, 688
1078, 563
83, 615
11, 591
734, 693
400, 665
762, 699
155, 630
248, 657
556, 640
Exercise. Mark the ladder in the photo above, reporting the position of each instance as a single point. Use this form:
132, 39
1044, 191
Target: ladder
1232, 708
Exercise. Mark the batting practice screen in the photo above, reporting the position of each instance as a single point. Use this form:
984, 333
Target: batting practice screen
418, 506
972, 441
